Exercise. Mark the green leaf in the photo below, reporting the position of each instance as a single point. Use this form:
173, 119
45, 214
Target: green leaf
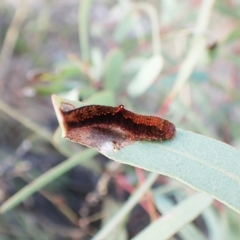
103, 98
175, 219
188, 232
233, 232
113, 70
123, 28
203, 163
53, 87
96, 67
198, 161
110, 207
146, 76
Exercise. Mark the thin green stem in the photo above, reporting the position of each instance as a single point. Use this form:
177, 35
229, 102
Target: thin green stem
83, 26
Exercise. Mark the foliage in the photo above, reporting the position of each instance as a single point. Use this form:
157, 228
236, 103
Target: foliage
191, 71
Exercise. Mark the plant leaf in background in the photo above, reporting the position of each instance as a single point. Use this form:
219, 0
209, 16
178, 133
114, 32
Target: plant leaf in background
113, 69
105, 97
110, 207
175, 219
146, 76
201, 162
189, 231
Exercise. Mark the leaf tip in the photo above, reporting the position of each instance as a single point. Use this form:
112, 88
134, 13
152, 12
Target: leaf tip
56, 100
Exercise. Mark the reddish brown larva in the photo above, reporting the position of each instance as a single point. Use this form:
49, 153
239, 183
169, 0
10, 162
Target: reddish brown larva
135, 126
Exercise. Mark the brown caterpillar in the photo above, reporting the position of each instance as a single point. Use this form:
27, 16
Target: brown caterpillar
117, 119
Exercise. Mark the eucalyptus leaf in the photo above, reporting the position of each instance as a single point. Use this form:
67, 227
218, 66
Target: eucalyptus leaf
189, 231
175, 219
110, 207
146, 76
203, 163
105, 97
113, 69
198, 161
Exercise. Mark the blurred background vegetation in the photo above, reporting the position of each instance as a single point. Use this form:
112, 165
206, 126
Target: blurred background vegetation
119, 52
